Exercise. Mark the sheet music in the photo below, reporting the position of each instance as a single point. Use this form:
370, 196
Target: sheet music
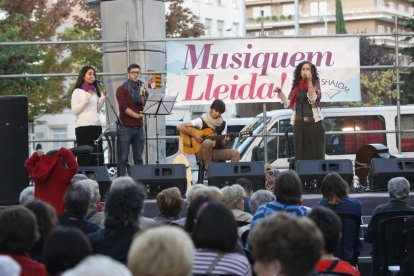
158, 104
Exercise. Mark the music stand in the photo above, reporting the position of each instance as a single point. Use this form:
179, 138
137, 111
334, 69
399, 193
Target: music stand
158, 104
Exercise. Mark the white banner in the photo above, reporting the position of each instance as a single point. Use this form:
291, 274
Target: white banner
248, 70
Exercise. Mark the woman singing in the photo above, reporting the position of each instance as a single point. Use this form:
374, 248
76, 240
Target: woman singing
307, 118
86, 103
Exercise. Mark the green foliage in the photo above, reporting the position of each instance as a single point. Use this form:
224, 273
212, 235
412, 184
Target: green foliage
32, 20
181, 22
340, 22
274, 17
379, 86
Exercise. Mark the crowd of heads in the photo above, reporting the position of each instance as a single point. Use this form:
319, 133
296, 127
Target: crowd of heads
279, 243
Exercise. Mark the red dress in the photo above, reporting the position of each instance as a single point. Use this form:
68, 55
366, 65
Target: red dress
52, 175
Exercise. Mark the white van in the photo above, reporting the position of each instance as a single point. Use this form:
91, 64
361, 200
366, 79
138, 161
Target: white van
341, 143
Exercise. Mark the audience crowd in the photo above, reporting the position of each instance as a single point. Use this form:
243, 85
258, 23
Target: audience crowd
228, 231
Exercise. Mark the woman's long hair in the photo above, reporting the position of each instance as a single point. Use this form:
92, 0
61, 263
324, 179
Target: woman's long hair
297, 76
79, 80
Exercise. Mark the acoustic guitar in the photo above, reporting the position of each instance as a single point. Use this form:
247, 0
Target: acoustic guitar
182, 159
192, 146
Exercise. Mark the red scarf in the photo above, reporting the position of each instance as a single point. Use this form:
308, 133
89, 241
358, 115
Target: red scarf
303, 85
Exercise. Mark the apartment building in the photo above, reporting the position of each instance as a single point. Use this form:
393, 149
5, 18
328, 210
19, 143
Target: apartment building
317, 17
222, 18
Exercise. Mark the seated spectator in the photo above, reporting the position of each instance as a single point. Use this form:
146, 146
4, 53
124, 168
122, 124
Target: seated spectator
52, 173
78, 177
398, 190
285, 245
189, 195
211, 191
192, 211
330, 226
18, 231
125, 201
170, 203
161, 251
215, 237
233, 198
9, 267
64, 248
26, 195
247, 191
288, 192
335, 197
77, 200
94, 215
258, 198
98, 265
46, 220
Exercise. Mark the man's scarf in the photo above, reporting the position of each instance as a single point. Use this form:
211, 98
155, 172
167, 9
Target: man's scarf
134, 91
210, 121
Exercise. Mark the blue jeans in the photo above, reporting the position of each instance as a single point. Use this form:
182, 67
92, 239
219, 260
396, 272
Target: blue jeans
126, 137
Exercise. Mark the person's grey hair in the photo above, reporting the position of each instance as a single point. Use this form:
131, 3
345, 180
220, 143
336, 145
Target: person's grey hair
95, 196
192, 191
77, 177
98, 265
122, 181
232, 195
399, 188
26, 195
260, 197
153, 252
78, 198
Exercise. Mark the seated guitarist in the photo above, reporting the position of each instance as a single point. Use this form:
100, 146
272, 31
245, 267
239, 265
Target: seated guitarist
211, 150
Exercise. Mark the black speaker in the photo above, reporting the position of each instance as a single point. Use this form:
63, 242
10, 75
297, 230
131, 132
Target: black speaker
221, 174
14, 148
382, 170
312, 172
159, 177
101, 175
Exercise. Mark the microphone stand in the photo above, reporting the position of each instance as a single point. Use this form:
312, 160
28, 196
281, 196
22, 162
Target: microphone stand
118, 121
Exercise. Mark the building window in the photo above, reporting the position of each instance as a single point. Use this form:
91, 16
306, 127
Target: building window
207, 24
59, 133
267, 11
381, 29
289, 32
236, 28
235, 4
318, 31
288, 9
220, 27
401, 9
319, 8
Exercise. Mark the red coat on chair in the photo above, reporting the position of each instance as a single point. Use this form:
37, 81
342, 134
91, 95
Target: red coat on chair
52, 174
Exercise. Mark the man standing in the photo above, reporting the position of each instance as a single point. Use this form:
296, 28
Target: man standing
210, 151
131, 97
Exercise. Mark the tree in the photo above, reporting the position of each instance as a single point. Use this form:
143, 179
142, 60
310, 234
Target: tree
28, 20
32, 20
407, 76
340, 22
380, 87
181, 22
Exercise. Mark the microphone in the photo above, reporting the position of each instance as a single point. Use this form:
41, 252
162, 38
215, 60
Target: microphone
305, 76
96, 81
